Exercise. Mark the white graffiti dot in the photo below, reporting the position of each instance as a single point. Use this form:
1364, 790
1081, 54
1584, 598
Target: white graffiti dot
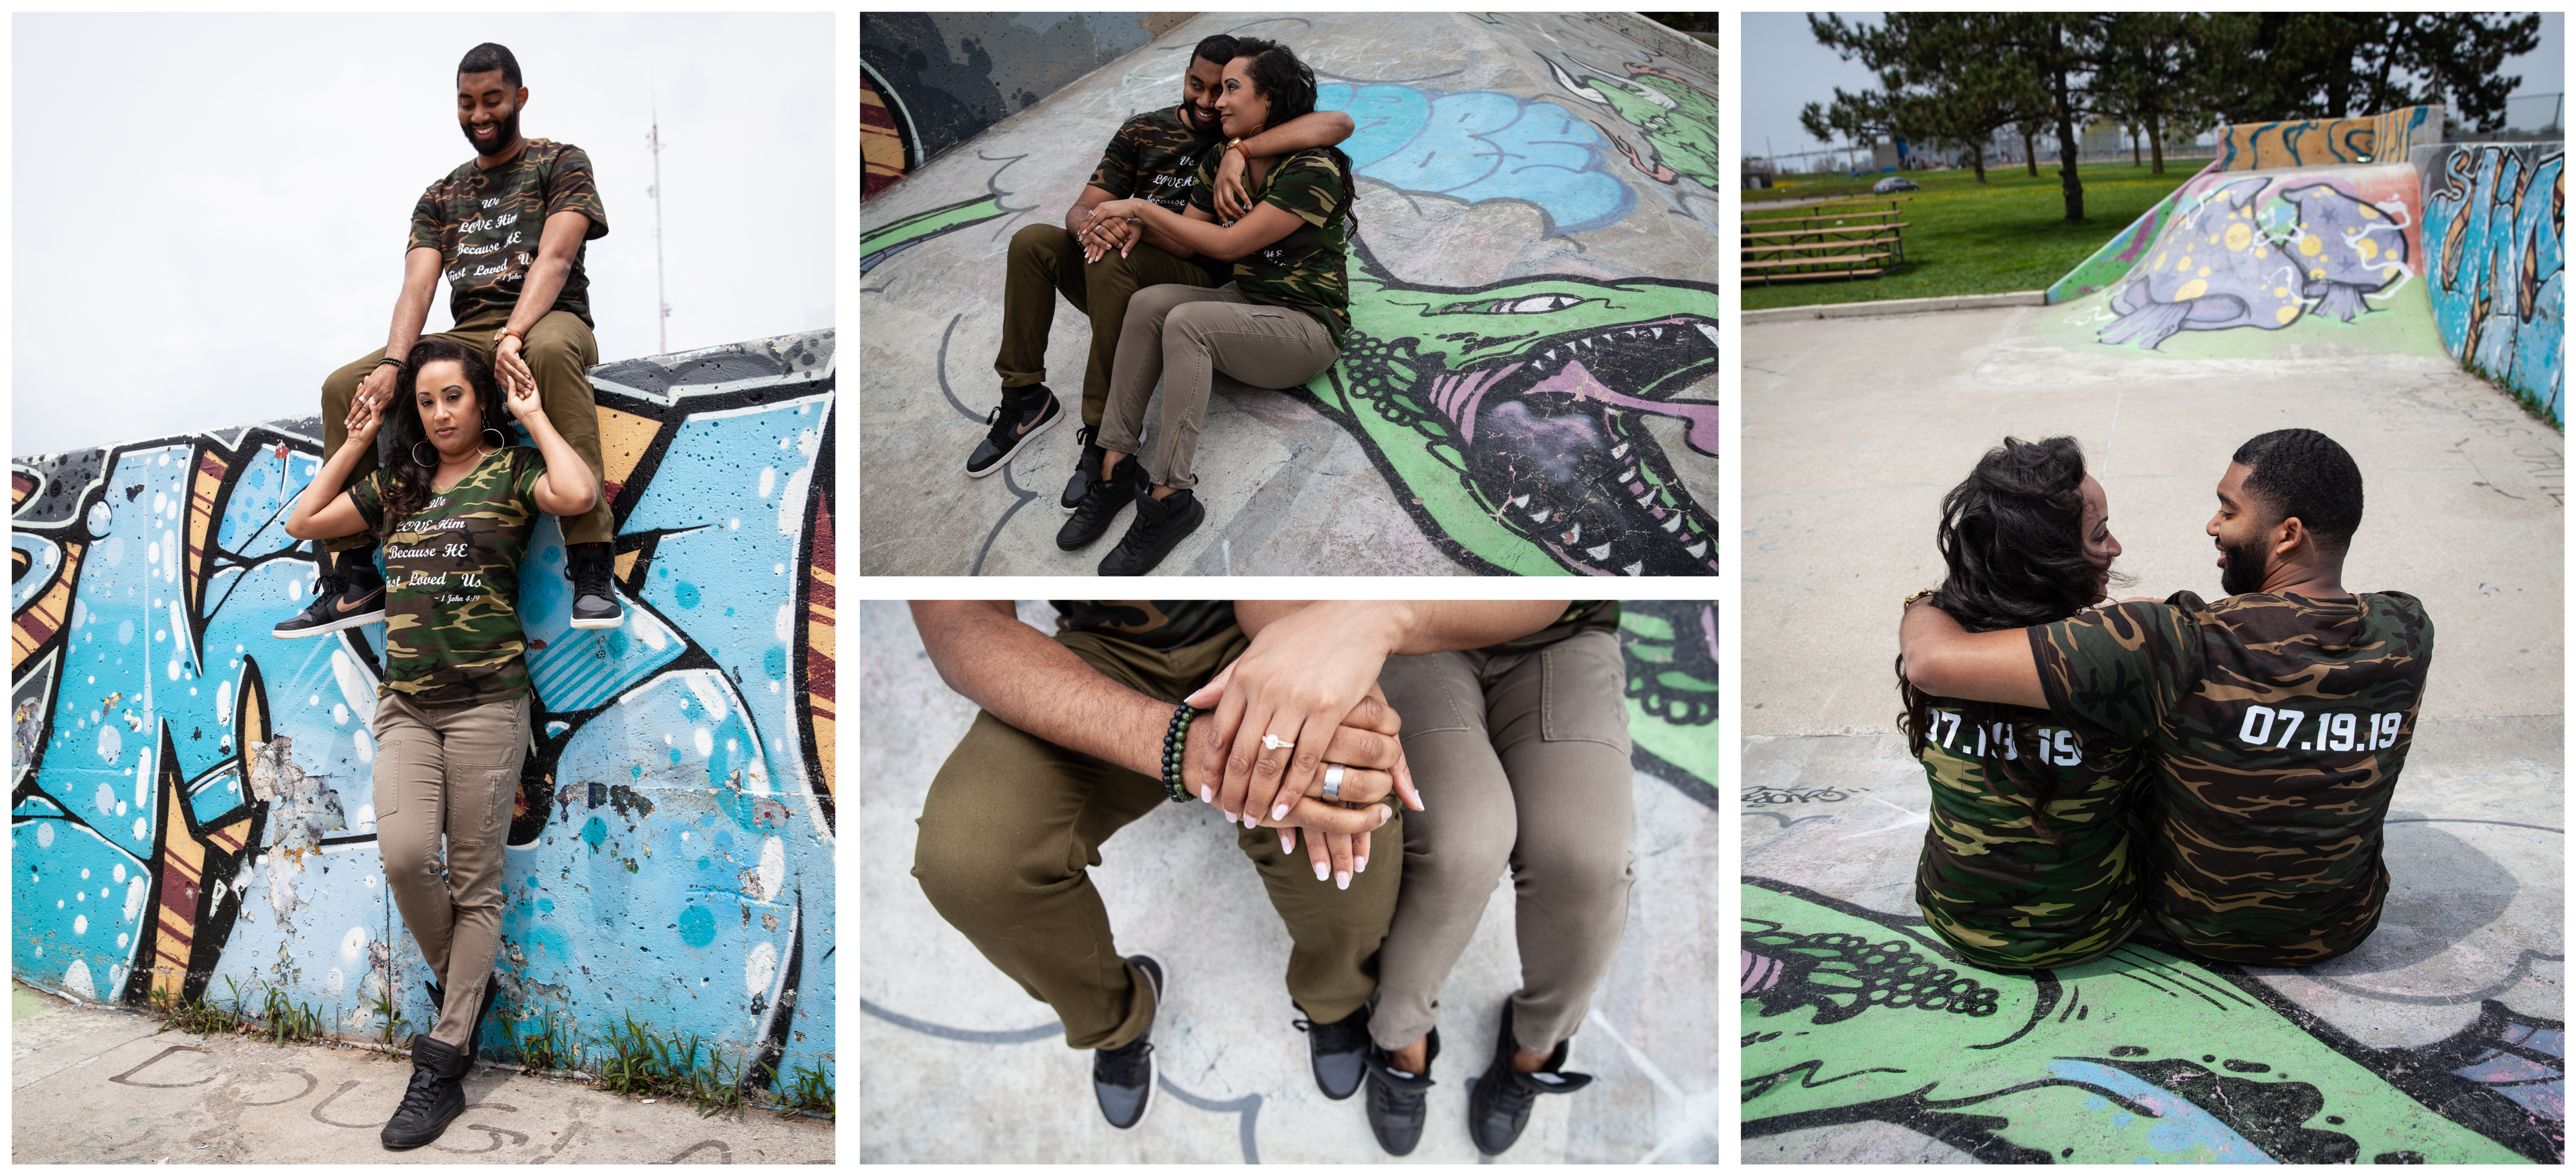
174, 669
152, 553
316, 700
336, 981
706, 742
76, 981
366, 816
110, 745
773, 867
118, 873
353, 944
778, 569
106, 798
340, 713
786, 626
224, 702
141, 828
45, 835
120, 939
768, 480
80, 924
760, 968
84, 872
125, 633
366, 750
135, 893
100, 518
733, 524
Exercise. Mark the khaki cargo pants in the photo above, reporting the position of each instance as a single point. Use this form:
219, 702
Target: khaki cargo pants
1012, 822
449, 774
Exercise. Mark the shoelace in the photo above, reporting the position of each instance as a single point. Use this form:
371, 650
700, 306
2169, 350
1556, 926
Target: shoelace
1005, 430
423, 1092
1335, 1037
590, 577
1139, 539
1125, 1065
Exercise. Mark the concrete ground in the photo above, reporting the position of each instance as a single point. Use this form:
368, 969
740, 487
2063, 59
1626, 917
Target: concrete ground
959, 1065
98, 1084
1854, 428
1521, 195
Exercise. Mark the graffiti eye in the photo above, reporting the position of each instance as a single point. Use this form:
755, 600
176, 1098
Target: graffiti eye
1535, 304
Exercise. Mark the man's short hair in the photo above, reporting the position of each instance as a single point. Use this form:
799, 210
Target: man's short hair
2303, 474
485, 58
1219, 49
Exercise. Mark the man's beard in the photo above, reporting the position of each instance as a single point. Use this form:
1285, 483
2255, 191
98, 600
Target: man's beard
504, 133
1190, 117
2244, 570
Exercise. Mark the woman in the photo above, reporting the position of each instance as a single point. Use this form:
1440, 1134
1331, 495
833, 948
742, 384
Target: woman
456, 508
1278, 324
1525, 745
2027, 863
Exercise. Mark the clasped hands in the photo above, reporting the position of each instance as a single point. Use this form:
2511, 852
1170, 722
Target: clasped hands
1113, 225
378, 388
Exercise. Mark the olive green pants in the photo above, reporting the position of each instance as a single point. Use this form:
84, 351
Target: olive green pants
559, 350
1013, 821
1045, 261
1522, 759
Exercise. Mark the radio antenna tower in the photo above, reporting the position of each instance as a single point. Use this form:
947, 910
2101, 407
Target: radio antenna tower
662, 318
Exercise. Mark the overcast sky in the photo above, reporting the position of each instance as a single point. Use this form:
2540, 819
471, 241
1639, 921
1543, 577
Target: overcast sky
1784, 69
210, 212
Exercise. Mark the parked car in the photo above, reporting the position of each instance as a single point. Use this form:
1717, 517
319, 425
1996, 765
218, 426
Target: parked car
1895, 184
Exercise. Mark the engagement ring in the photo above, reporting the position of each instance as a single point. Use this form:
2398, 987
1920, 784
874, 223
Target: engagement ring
1332, 781
1274, 742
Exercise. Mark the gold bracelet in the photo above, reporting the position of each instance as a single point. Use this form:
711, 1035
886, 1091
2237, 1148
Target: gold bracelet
1909, 601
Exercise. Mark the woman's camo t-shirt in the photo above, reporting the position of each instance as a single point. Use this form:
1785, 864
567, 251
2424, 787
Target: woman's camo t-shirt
1305, 270
452, 633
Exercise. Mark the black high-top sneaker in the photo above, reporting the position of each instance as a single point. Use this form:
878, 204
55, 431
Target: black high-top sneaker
1334, 1050
1499, 1105
1161, 524
1024, 413
1399, 1102
1085, 471
436, 1095
350, 592
594, 595
1123, 1078
1101, 500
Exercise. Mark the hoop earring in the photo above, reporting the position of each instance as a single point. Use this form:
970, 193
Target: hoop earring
425, 463
503, 441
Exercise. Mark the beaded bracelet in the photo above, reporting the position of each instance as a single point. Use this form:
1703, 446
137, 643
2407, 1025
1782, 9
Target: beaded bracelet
1174, 739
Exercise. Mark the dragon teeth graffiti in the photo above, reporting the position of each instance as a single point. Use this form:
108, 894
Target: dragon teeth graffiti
1856, 1016
185, 781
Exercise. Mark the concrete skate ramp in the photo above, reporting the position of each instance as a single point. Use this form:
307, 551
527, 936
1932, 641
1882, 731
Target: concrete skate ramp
1530, 385
961, 1066
2439, 1038
192, 812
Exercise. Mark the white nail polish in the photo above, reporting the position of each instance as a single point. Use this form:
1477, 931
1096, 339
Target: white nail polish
1250, 820
1207, 794
1342, 880
1279, 812
1229, 817
1359, 865
1319, 871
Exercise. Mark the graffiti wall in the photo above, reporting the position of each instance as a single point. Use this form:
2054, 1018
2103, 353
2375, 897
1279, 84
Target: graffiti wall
2325, 142
1533, 346
941, 77
885, 145
2495, 227
191, 812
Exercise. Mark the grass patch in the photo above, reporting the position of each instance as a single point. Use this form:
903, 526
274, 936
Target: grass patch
2007, 234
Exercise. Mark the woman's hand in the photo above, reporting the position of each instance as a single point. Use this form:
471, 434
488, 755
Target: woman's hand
1302, 676
364, 421
524, 403
1112, 226
375, 391
511, 367
1232, 202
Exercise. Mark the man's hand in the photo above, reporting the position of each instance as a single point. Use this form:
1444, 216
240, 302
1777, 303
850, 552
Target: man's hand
364, 422
1340, 855
1106, 234
374, 392
512, 369
1232, 202
523, 402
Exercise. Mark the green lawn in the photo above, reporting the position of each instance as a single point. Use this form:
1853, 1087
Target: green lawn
2009, 233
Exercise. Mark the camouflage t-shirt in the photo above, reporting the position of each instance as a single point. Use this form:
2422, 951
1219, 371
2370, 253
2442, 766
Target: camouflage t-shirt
1991, 882
2279, 724
485, 226
452, 633
1154, 156
1304, 270
1154, 624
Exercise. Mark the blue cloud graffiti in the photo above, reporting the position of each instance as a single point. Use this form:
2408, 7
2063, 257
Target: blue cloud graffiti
192, 798
1483, 145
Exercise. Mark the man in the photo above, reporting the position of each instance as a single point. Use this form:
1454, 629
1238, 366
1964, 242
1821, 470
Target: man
2280, 715
1067, 751
508, 228
1153, 156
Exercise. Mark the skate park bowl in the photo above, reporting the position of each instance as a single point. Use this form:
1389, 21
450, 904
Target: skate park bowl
2439, 1039
1530, 383
193, 815
959, 1065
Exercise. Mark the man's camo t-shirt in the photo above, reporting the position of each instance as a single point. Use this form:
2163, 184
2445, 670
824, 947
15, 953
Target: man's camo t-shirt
2004, 889
1154, 624
1304, 270
485, 226
1154, 156
2279, 724
452, 633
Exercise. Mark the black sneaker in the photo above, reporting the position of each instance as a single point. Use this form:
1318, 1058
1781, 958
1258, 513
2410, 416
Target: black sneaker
1498, 1105
1398, 1102
1101, 501
1123, 1078
1005, 438
1160, 526
350, 593
436, 1096
1092, 456
594, 595
1336, 1049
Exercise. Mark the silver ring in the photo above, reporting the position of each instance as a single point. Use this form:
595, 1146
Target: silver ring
1274, 742
1332, 781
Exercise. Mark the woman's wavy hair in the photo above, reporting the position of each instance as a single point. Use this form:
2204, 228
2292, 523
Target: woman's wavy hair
407, 482
1290, 86
2012, 535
